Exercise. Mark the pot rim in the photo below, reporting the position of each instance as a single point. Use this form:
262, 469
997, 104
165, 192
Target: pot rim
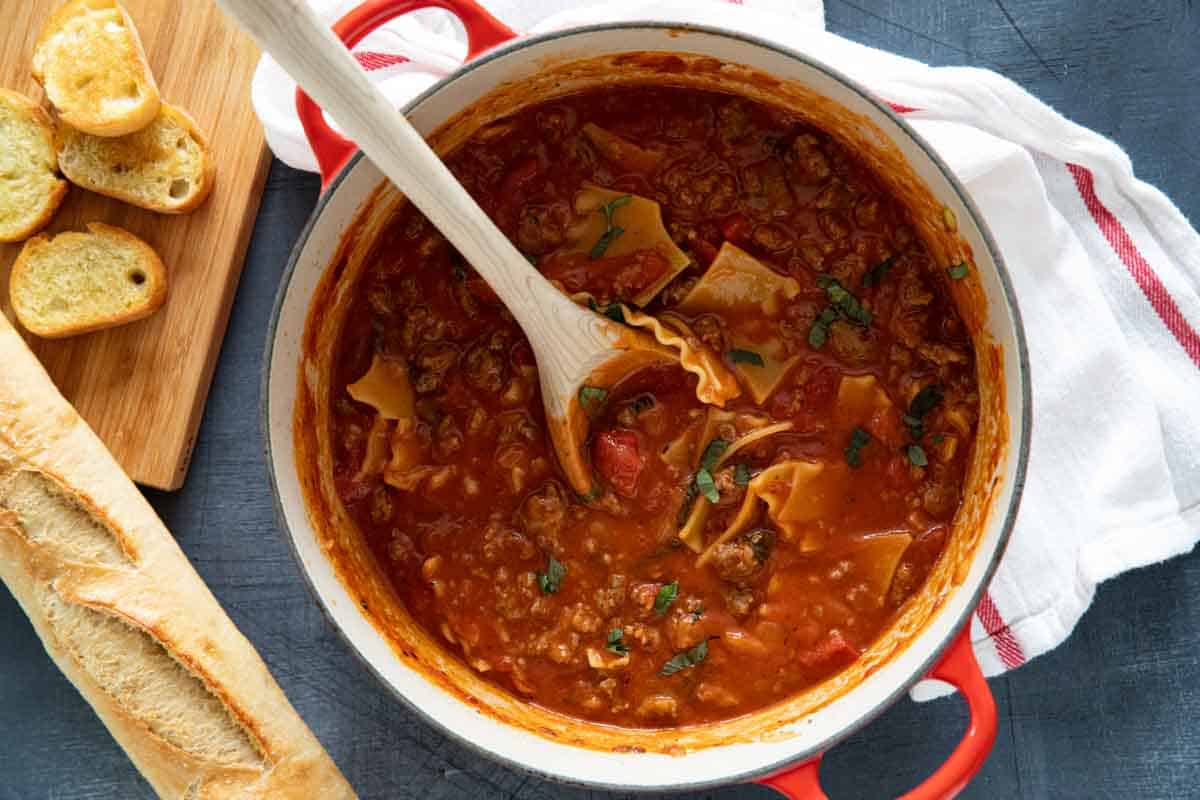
1022, 445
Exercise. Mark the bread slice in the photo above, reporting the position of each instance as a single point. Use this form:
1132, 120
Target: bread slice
90, 61
165, 167
30, 188
128, 621
80, 282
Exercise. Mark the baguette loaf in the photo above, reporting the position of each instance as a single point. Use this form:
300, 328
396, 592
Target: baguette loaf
125, 617
90, 61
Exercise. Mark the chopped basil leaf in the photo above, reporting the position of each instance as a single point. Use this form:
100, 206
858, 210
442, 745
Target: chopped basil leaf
688, 658
745, 357
922, 403
712, 453
819, 331
938, 438
706, 485
858, 440
875, 274
613, 310
916, 455
611, 231
531, 259
592, 397
604, 241
666, 595
843, 301
608, 208
741, 475
551, 580
592, 494
616, 643
958, 271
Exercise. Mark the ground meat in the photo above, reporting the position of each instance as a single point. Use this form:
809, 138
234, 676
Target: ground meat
402, 550
544, 512
834, 225
486, 362
447, 439
556, 122
684, 629
659, 707
848, 269
432, 362
741, 557
772, 238
609, 600
382, 507
421, 325
939, 495
711, 330
517, 426
541, 229
713, 191
732, 120
766, 187
642, 595
808, 162
713, 695
852, 344
738, 601
914, 293
835, 195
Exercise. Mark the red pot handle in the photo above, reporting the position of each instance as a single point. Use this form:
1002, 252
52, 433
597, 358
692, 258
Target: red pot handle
959, 668
483, 33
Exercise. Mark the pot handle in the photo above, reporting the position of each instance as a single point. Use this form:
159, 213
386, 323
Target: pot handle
483, 33
959, 668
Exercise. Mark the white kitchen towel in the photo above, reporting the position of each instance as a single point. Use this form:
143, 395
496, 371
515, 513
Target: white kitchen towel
1106, 271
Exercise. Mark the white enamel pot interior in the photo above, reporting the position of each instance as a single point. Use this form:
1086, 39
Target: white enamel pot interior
773, 745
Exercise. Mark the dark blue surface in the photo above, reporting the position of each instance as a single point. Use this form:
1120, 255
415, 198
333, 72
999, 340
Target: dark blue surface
1108, 714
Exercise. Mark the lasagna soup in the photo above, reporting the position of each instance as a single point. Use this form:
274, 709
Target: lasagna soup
726, 557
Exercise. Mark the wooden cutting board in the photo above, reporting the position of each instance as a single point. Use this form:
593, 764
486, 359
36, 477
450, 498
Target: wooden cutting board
142, 386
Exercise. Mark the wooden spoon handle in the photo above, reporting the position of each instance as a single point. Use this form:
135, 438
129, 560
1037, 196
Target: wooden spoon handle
308, 50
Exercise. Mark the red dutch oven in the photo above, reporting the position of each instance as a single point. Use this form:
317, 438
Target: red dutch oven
780, 746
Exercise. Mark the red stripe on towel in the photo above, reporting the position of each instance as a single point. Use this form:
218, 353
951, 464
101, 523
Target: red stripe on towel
1007, 646
1150, 284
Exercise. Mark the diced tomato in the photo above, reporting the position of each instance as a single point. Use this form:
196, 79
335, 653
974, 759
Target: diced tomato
735, 228
832, 651
616, 458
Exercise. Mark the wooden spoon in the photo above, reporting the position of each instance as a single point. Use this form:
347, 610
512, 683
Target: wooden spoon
572, 346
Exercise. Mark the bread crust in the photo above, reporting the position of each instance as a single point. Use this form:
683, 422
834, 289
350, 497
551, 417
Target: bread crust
155, 590
45, 126
66, 137
82, 113
156, 277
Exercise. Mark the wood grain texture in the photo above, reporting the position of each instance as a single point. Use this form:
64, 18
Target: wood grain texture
1109, 714
142, 387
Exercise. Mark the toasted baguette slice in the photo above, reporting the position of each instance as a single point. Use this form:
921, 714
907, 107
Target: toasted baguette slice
90, 61
125, 617
30, 189
81, 282
165, 167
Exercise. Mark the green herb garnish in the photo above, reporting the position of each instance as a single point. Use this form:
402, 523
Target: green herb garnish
741, 475
592, 397
531, 259
738, 356
819, 331
712, 454
551, 580
686, 659
958, 271
916, 455
843, 301
613, 310
858, 440
875, 274
706, 485
922, 403
591, 495
616, 642
611, 232
666, 595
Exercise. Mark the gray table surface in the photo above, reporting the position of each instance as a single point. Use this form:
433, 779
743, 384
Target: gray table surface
1108, 714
